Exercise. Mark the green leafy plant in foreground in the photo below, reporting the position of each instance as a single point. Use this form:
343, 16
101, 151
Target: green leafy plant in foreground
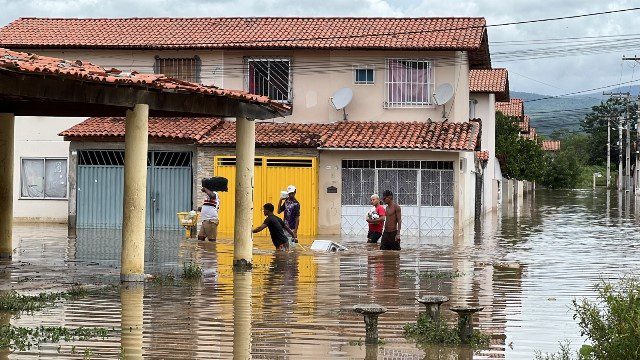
23, 338
426, 331
611, 323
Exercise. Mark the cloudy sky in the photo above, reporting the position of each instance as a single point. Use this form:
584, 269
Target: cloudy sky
549, 58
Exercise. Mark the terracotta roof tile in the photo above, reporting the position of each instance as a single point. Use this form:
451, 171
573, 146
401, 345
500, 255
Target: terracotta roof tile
551, 145
515, 107
192, 129
32, 63
490, 81
531, 135
260, 32
525, 124
482, 155
339, 135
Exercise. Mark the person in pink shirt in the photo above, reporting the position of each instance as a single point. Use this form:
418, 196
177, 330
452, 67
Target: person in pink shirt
375, 218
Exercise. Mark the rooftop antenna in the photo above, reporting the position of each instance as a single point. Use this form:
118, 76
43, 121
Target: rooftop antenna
341, 99
442, 95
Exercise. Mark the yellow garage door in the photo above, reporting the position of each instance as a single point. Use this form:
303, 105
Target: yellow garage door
271, 176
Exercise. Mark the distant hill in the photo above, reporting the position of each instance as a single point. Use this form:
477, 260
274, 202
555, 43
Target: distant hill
550, 113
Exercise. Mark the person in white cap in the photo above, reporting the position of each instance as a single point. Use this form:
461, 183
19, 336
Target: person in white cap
291, 208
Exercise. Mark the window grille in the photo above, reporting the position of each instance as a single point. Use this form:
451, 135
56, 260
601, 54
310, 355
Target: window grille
409, 83
43, 178
413, 182
269, 77
186, 69
116, 158
304, 163
231, 161
363, 75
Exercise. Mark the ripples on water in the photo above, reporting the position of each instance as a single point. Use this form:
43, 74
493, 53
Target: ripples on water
524, 265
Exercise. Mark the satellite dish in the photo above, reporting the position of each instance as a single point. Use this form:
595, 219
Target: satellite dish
443, 94
341, 99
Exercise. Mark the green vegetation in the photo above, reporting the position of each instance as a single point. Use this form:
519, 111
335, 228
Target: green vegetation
191, 271
22, 338
425, 331
520, 158
14, 302
610, 324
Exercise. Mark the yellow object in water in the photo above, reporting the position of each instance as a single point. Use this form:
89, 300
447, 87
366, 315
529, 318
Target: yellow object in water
271, 175
189, 221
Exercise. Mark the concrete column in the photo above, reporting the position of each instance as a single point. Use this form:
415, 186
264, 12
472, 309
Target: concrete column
131, 320
245, 155
242, 283
135, 193
7, 122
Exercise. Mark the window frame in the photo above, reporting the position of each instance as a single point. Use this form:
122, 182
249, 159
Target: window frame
248, 59
195, 58
44, 160
364, 67
430, 82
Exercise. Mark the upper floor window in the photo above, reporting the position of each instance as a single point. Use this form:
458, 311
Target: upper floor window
269, 77
363, 75
186, 69
409, 83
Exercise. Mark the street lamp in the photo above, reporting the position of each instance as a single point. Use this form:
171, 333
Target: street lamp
595, 175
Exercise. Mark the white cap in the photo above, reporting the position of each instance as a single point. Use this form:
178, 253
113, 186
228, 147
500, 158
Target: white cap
291, 189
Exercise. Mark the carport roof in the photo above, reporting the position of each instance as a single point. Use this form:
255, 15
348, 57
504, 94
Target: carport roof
33, 85
348, 135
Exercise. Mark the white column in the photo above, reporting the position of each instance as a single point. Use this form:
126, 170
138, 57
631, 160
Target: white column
245, 155
135, 193
7, 122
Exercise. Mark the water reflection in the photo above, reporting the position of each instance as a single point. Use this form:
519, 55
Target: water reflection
132, 311
524, 265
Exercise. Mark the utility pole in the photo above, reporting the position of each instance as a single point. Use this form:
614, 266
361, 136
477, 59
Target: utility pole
627, 167
621, 183
608, 152
636, 185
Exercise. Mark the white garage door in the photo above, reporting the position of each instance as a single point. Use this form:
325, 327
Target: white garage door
424, 190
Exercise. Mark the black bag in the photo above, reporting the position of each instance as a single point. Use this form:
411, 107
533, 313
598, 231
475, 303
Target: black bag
216, 183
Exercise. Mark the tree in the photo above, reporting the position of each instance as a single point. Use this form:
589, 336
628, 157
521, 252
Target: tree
595, 124
562, 171
520, 158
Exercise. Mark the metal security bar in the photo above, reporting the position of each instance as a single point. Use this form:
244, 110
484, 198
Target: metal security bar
409, 83
413, 182
187, 69
116, 158
269, 77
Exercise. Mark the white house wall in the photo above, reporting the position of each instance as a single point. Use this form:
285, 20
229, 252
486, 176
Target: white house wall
485, 110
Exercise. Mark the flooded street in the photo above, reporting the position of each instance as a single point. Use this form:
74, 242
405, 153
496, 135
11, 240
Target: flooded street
525, 266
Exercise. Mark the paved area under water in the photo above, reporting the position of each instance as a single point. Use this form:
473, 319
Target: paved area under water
525, 266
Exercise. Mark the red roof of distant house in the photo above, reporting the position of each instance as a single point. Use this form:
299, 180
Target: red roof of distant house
531, 135
463, 33
188, 129
33, 63
515, 107
490, 81
551, 145
339, 135
482, 155
525, 124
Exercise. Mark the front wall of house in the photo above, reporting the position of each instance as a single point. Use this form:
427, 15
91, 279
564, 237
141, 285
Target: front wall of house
35, 139
485, 110
330, 175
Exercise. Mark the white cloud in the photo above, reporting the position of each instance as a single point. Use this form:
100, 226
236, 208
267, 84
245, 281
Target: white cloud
570, 72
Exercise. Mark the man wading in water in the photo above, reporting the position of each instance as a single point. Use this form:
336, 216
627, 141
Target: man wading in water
391, 236
276, 228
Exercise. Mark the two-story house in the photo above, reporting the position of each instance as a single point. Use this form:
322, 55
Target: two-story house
391, 134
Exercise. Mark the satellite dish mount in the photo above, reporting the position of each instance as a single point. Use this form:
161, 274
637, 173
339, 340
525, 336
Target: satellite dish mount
442, 95
341, 99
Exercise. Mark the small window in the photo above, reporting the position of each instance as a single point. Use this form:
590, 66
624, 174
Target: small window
43, 178
185, 69
363, 75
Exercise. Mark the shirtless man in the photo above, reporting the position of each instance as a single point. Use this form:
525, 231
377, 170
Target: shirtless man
391, 235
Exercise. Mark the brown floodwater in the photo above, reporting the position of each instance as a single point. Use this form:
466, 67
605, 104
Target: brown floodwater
524, 264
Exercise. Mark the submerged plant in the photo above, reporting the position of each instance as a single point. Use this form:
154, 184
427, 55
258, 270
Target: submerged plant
15, 302
23, 338
191, 270
427, 331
